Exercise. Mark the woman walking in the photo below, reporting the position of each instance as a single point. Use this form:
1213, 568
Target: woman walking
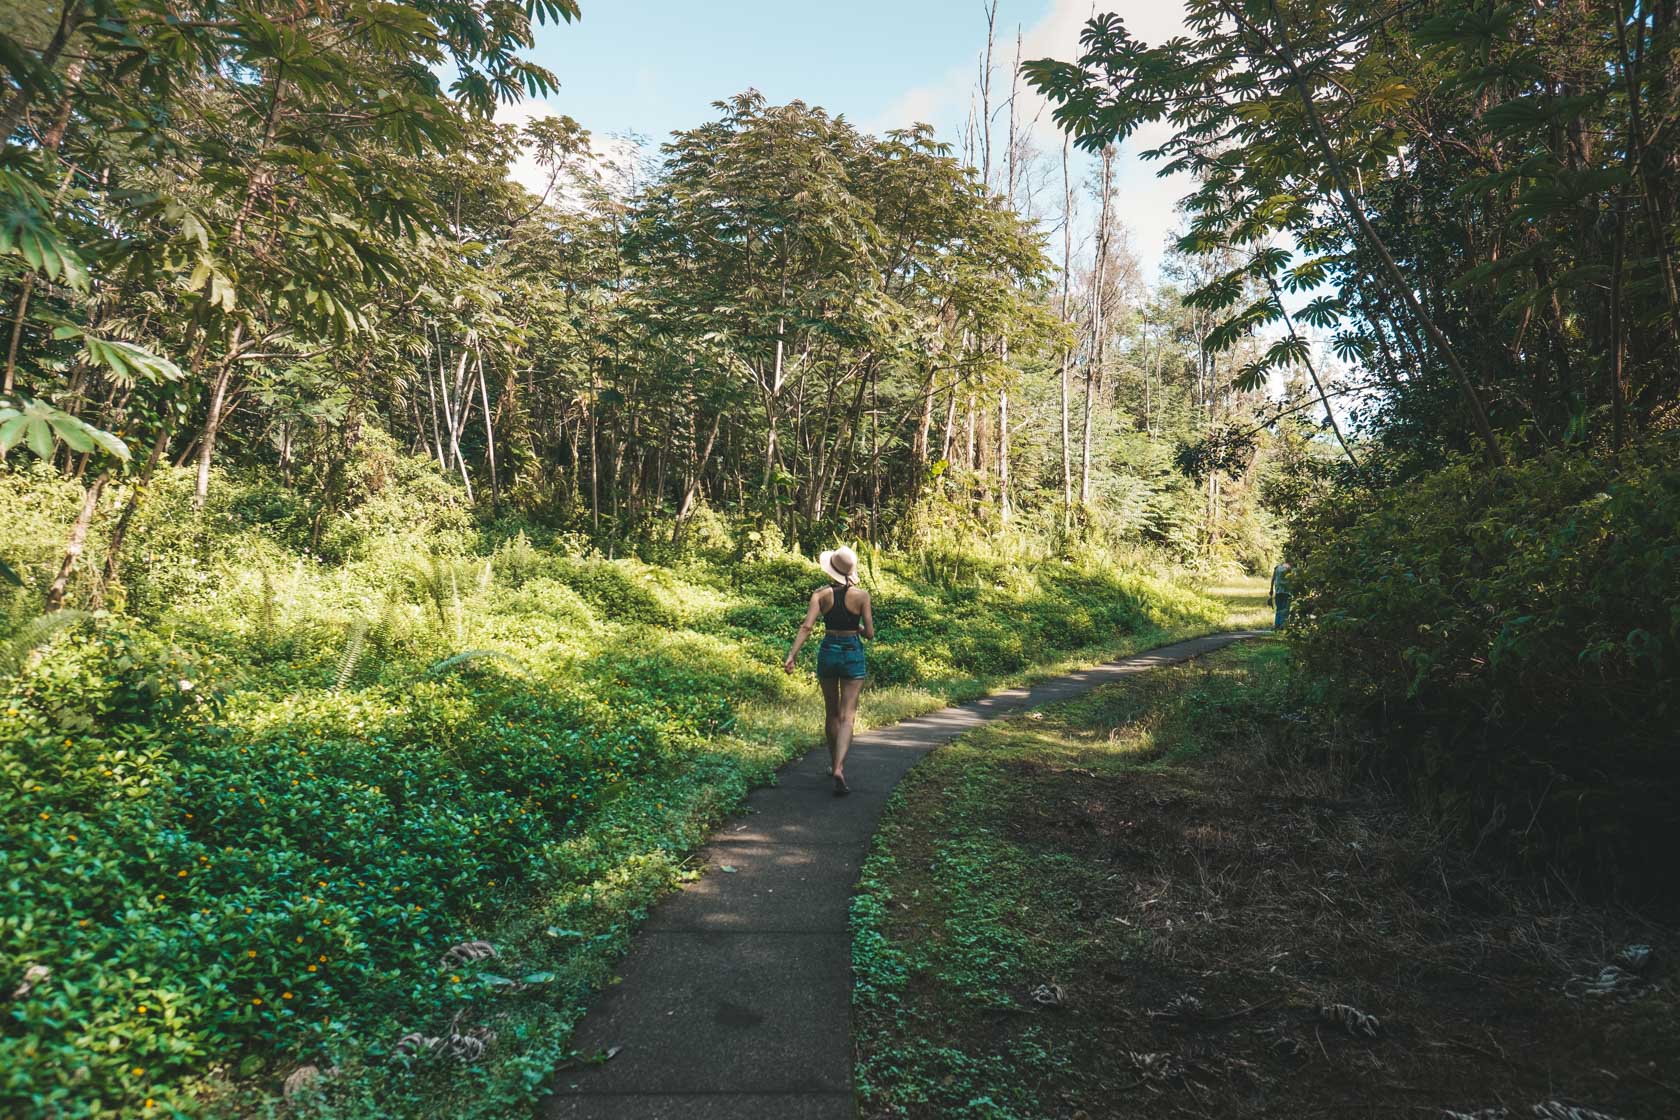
841, 665
1278, 594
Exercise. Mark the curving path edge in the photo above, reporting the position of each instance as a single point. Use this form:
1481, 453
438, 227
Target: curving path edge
736, 994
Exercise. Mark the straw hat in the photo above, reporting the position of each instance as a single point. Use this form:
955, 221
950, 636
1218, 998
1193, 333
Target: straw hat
841, 565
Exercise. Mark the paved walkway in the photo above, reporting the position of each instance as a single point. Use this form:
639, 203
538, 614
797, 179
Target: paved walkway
736, 995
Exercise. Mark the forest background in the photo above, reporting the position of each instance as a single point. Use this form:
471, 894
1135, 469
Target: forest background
397, 554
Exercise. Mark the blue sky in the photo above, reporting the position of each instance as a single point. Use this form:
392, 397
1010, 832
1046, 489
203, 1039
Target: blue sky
652, 66
657, 65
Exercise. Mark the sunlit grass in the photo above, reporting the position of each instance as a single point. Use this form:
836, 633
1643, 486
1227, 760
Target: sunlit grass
1245, 600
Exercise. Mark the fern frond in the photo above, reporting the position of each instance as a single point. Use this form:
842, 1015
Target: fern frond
266, 610
463, 658
34, 634
353, 644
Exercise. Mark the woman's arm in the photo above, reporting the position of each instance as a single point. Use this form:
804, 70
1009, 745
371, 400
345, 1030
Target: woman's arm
868, 616
804, 631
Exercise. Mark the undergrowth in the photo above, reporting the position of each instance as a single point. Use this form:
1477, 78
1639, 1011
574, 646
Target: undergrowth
256, 820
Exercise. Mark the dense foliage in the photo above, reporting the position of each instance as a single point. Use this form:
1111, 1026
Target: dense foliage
1479, 200
246, 822
1517, 630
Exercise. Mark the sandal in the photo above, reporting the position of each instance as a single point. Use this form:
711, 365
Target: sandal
841, 789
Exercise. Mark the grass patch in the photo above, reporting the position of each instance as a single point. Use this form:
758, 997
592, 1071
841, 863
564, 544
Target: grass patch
1158, 900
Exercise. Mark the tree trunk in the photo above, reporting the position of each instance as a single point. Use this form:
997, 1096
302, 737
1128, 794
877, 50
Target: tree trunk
691, 485
74, 545
1067, 350
213, 425
1099, 329
1003, 443
489, 438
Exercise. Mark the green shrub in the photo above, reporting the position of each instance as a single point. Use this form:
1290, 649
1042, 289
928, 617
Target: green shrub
216, 891
1517, 633
616, 591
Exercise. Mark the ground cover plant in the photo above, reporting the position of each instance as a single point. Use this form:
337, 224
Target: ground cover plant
1169, 899
371, 828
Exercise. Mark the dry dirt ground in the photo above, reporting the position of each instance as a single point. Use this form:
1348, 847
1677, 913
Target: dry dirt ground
1159, 901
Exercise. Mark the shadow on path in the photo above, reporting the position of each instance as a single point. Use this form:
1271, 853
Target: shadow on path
736, 995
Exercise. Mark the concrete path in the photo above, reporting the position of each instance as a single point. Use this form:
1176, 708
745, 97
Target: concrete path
736, 995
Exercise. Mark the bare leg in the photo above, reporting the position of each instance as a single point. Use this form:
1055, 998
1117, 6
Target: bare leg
831, 717
849, 691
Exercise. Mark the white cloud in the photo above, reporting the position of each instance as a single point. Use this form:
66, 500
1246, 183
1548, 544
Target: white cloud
1147, 202
617, 162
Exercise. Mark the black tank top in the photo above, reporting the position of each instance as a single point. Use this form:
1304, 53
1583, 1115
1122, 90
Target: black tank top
838, 616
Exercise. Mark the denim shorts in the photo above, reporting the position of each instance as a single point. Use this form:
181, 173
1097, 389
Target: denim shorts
841, 658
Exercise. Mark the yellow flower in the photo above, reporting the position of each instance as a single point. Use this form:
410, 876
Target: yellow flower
454, 979
299, 940
285, 995
180, 874
142, 1009
312, 968
250, 952
137, 1071
150, 1102
256, 1002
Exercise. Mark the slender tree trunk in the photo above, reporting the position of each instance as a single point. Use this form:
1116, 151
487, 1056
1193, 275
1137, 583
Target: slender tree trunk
113, 548
986, 98
213, 419
489, 438
1618, 389
454, 422
972, 453
1003, 443
594, 454
1067, 350
1099, 328
946, 443
76, 542
771, 405
691, 485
